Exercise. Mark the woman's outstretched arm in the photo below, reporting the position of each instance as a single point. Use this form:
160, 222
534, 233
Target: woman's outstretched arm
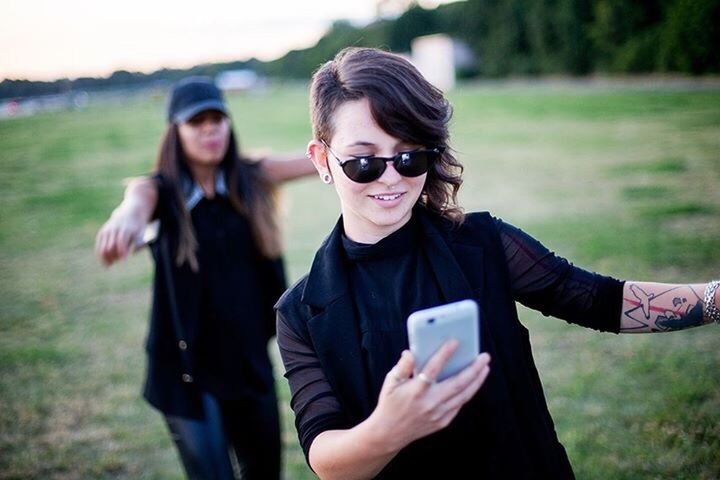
281, 168
127, 222
661, 307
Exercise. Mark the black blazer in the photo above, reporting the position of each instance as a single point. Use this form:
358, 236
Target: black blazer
515, 435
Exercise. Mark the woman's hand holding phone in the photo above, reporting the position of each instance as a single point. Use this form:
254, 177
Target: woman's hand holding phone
411, 407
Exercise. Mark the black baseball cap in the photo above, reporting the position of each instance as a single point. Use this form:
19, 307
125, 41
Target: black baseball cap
193, 95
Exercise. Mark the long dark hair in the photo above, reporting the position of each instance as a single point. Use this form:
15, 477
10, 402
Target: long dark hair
403, 104
250, 193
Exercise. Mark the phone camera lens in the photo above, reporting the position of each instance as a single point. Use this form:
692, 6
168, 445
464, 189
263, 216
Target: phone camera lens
431, 320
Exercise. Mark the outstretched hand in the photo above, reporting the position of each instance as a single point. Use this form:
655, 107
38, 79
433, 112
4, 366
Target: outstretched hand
116, 238
412, 407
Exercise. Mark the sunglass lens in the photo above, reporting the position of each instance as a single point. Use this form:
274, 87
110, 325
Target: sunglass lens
414, 164
364, 170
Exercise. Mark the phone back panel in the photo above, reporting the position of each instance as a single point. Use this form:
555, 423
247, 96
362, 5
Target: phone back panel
428, 329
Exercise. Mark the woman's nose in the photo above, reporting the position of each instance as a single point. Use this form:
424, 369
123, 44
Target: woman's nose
390, 176
209, 124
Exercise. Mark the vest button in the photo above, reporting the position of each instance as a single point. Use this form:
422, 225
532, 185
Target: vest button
182, 345
187, 378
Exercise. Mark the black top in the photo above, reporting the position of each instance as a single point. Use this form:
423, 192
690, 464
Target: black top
486, 259
389, 281
216, 340
231, 351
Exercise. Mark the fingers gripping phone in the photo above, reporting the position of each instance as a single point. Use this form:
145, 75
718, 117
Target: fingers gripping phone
428, 329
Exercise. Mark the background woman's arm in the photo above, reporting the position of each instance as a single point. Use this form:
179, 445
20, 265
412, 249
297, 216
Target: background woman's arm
661, 307
281, 168
116, 237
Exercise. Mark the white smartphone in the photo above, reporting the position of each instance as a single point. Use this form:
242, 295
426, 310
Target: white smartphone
428, 329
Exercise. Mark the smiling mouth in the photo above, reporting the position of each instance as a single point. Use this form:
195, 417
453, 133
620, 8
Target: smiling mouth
387, 197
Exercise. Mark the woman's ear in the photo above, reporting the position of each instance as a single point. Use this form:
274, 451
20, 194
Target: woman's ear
317, 154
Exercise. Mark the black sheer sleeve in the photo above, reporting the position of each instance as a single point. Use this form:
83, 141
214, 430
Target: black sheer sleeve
312, 399
546, 282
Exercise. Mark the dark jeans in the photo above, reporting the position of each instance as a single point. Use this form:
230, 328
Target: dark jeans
236, 439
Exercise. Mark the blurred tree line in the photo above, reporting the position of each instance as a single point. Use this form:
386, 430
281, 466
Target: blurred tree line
508, 37
535, 37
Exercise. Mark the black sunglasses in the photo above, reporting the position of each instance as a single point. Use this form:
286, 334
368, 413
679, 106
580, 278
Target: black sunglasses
370, 168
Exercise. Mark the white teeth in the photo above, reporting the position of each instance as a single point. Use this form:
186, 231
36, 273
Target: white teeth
387, 197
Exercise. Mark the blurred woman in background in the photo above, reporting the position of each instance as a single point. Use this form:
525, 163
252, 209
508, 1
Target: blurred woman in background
218, 272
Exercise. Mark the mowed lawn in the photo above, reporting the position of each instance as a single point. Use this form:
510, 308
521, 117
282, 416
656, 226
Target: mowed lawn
622, 180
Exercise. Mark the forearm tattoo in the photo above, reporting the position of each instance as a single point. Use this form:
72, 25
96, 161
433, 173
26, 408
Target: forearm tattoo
651, 307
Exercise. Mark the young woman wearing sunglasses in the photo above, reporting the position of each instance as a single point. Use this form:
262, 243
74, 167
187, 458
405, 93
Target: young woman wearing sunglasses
403, 244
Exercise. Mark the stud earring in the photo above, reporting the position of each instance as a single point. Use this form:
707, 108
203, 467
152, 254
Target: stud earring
326, 178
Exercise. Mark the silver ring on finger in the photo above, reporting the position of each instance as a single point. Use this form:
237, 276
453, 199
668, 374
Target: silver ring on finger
425, 378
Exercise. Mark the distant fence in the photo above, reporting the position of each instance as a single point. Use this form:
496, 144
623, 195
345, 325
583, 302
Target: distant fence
79, 99
76, 100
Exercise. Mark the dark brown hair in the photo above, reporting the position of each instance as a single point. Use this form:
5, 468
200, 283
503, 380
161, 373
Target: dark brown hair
250, 193
403, 103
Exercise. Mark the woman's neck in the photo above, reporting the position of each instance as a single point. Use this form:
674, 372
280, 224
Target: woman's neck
370, 234
204, 175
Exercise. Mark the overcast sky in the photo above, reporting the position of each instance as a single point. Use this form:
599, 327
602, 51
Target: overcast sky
50, 39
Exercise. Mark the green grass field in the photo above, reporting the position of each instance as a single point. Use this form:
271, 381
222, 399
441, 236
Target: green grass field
619, 180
